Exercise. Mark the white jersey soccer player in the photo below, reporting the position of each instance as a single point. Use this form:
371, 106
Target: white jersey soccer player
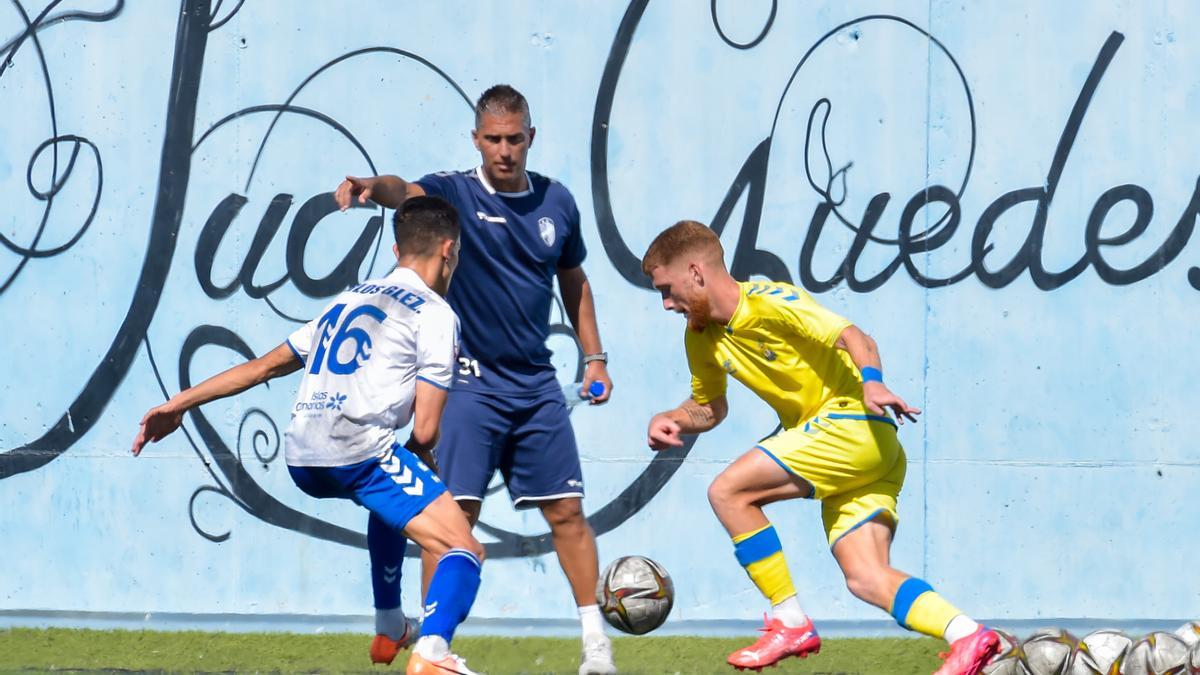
379, 356
363, 358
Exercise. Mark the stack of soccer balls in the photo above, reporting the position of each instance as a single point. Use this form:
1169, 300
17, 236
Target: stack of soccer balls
1104, 652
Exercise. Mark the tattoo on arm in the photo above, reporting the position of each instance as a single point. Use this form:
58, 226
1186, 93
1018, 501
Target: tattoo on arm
700, 416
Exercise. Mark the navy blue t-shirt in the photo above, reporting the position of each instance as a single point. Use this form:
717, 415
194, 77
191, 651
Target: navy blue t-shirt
512, 246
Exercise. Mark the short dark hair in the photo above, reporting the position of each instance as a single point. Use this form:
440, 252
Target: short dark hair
500, 99
421, 224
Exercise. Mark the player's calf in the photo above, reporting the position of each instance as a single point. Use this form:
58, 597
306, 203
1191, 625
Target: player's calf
442, 530
876, 585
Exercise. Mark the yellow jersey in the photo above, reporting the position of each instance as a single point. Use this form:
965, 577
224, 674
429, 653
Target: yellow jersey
780, 344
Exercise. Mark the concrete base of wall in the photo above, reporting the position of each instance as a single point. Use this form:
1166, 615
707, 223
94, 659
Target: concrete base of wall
314, 624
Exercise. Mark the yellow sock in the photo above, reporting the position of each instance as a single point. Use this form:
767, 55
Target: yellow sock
918, 607
761, 554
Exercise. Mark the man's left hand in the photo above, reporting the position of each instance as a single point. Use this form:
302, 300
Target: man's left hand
597, 371
879, 399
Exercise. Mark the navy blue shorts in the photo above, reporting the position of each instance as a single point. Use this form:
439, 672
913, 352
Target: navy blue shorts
394, 486
530, 440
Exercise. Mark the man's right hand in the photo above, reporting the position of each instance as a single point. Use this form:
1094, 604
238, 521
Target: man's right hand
156, 425
354, 187
663, 433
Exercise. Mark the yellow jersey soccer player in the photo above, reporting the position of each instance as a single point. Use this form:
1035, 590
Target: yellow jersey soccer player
837, 443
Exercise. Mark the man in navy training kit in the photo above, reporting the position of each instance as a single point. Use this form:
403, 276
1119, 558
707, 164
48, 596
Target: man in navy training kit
520, 230
381, 354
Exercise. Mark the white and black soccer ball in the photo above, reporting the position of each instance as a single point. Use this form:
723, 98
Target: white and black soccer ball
1049, 652
1189, 633
1083, 662
1193, 664
1158, 653
635, 594
1008, 658
1108, 648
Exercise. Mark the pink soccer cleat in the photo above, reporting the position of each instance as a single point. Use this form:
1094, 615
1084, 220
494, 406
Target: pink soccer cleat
777, 643
969, 655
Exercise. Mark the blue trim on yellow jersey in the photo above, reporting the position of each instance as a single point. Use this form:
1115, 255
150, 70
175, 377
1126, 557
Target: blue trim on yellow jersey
872, 418
864, 521
294, 350
439, 386
812, 490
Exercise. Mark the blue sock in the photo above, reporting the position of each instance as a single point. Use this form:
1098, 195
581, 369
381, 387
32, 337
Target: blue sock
451, 593
386, 547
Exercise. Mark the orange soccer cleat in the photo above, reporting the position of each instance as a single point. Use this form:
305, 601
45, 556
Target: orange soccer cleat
384, 649
777, 643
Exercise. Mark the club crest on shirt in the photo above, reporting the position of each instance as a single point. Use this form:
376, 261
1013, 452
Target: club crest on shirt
767, 353
546, 229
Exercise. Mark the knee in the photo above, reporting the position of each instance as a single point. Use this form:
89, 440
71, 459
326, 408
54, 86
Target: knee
722, 494
460, 541
564, 514
472, 544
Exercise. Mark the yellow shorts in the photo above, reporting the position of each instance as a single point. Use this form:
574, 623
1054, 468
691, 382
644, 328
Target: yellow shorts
853, 461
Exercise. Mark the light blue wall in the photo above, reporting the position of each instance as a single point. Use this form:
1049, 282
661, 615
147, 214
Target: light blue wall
1052, 474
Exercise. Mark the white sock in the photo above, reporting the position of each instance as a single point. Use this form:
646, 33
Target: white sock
960, 627
790, 613
390, 622
591, 621
432, 647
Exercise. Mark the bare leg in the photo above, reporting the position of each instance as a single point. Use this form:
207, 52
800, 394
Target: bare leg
429, 562
864, 556
575, 545
440, 527
754, 480
737, 496
442, 530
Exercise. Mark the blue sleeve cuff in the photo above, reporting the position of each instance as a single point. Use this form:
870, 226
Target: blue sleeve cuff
294, 351
436, 384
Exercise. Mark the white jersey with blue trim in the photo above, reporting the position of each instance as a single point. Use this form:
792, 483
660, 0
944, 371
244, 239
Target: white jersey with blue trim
362, 358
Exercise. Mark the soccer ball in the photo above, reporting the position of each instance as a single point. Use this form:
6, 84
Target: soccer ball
1193, 664
1189, 633
1083, 662
635, 594
1107, 648
1007, 660
1049, 652
1156, 654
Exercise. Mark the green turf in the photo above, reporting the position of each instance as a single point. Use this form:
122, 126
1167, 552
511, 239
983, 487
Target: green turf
84, 650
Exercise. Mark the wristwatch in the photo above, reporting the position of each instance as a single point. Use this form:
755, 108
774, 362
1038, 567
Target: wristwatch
601, 356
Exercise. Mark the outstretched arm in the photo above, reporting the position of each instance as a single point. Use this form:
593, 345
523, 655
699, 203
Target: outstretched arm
388, 191
865, 354
160, 421
581, 311
689, 418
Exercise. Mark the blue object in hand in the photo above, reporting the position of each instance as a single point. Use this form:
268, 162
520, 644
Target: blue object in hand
575, 394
